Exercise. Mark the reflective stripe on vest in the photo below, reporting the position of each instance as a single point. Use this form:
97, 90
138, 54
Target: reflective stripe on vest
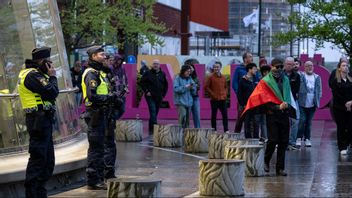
102, 89
29, 99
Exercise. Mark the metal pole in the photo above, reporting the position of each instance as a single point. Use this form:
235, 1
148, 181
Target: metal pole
259, 26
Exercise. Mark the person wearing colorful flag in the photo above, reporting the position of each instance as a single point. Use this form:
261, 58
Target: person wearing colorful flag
273, 96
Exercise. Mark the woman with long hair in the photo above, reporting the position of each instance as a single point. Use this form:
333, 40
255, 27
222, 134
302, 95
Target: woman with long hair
341, 87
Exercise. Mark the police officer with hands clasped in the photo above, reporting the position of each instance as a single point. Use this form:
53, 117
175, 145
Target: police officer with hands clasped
37, 87
98, 99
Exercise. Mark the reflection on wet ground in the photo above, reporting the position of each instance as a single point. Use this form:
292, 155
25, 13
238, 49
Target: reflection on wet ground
318, 171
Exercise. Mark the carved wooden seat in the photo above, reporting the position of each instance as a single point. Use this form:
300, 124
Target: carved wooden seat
216, 144
168, 135
133, 186
196, 140
253, 155
218, 177
129, 130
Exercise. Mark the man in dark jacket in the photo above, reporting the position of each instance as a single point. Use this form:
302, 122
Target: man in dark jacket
154, 86
295, 81
76, 77
245, 89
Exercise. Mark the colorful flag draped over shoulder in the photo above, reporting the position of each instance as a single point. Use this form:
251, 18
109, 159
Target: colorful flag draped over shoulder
267, 91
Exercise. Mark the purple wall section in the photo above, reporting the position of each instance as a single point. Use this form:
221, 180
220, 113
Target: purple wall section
132, 111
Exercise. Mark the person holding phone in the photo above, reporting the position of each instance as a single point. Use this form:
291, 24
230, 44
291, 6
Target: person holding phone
38, 89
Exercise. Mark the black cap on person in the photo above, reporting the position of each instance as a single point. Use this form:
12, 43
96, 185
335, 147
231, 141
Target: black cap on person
41, 53
93, 50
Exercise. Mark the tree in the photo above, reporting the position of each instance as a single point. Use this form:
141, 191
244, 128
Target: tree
87, 22
329, 21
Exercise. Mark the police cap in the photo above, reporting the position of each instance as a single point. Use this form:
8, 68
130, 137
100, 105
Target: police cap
41, 53
94, 49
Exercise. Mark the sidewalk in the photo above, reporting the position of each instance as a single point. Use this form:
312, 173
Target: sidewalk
318, 171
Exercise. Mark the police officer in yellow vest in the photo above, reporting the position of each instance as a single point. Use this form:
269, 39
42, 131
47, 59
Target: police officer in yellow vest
102, 149
37, 86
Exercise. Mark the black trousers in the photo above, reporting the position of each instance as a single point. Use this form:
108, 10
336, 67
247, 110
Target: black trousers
278, 134
41, 149
343, 121
251, 127
221, 105
102, 148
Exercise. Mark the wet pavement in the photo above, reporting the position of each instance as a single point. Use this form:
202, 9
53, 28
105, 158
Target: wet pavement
318, 171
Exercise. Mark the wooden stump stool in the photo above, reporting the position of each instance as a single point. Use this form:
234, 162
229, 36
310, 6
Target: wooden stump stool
129, 130
197, 139
219, 177
168, 135
128, 186
239, 142
216, 144
253, 155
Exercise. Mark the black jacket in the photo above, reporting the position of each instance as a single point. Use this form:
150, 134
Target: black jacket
76, 79
245, 89
37, 82
342, 93
155, 83
295, 82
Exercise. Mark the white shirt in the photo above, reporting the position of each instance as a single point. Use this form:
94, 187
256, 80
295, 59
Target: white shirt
310, 79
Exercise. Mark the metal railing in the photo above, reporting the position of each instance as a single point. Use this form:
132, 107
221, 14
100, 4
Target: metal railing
70, 90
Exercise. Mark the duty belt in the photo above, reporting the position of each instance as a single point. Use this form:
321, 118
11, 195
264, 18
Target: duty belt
39, 107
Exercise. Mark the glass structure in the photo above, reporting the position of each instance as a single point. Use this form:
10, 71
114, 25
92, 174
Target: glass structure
25, 25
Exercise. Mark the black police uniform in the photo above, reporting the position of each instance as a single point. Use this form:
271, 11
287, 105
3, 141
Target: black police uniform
102, 148
39, 126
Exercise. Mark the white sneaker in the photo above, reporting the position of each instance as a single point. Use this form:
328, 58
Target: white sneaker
343, 152
298, 142
307, 143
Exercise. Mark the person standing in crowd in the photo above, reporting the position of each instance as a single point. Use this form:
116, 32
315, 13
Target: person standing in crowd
273, 96
119, 81
154, 86
217, 89
144, 67
341, 87
245, 89
294, 78
238, 74
184, 89
297, 65
310, 92
102, 149
76, 77
195, 109
38, 90
261, 117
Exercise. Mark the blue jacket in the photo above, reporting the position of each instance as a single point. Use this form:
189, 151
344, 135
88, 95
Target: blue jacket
182, 95
238, 74
302, 94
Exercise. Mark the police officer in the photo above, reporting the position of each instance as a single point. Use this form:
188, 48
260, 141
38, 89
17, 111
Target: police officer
102, 149
37, 86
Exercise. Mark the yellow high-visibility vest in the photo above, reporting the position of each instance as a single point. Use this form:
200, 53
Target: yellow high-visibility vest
102, 88
29, 99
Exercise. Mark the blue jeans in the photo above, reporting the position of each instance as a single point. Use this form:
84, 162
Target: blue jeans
196, 112
294, 127
153, 107
261, 119
183, 116
305, 122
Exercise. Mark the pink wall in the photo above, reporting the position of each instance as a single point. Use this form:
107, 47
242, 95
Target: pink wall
171, 113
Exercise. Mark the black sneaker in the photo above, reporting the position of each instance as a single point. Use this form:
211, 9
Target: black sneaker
98, 186
281, 173
266, 167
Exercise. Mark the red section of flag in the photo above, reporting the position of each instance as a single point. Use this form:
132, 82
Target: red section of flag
262, 94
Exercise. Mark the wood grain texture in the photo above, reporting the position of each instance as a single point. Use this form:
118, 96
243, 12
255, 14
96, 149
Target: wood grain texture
197, 139
221, 177
168, 135
129, 130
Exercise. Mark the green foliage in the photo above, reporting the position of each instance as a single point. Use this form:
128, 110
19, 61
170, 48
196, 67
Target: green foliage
115, 22
325, 21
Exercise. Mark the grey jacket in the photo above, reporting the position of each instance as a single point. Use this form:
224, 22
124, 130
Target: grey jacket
302, 94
